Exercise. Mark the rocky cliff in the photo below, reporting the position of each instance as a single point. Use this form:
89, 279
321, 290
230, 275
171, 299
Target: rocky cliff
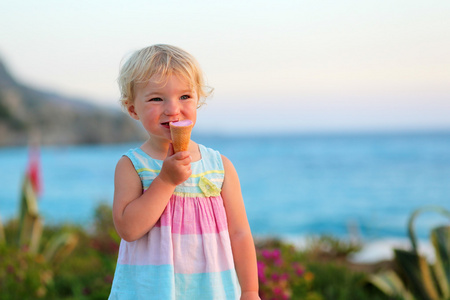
27, 112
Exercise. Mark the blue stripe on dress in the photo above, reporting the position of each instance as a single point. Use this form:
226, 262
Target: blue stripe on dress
220, 285
132, 284
135, 282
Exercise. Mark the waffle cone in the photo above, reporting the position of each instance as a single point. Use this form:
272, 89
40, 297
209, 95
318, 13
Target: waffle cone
181, 135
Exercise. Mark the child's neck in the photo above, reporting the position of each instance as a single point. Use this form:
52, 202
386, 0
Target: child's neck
156, 149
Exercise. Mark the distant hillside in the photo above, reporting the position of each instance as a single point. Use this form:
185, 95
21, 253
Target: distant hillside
57, 119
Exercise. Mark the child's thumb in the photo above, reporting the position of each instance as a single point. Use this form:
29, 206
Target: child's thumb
170, 151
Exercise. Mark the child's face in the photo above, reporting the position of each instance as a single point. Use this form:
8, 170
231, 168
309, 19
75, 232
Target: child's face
159, 102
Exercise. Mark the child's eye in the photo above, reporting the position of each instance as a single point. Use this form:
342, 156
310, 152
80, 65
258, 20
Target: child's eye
185, 97
155, 99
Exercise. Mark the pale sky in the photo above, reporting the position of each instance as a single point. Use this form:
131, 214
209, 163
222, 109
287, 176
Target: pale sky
279, 65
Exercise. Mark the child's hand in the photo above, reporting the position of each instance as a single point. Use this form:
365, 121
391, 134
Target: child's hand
176, 168
250, 296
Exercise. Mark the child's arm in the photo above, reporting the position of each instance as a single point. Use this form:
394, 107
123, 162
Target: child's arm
241, 238
134, 212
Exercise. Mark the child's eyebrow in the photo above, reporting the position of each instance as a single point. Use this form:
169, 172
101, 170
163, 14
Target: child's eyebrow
186, 91
151, 94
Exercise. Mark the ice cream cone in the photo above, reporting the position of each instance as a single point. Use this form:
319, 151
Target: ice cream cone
181, 134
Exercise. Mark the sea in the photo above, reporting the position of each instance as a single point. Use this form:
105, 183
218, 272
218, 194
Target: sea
363, 186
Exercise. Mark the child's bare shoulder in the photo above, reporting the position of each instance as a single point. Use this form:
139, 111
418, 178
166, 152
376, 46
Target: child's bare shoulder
125, 170
227, 164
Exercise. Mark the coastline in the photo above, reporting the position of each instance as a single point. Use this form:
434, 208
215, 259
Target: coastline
372, 251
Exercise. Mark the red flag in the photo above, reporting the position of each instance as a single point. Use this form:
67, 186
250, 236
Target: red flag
34, 169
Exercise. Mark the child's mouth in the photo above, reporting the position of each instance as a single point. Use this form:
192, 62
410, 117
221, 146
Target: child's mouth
167, 124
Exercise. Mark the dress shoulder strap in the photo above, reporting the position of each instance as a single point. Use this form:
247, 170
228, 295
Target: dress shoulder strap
146, 167
142, 161
211, 159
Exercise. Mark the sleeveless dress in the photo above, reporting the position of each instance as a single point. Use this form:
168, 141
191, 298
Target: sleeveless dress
187, 254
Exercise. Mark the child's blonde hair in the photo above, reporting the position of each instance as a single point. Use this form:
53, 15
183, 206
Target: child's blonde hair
163, 60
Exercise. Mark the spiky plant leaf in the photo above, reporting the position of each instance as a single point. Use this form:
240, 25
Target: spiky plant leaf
415, 214
30, 224
390, 284
440, 238
60, 246
414, 268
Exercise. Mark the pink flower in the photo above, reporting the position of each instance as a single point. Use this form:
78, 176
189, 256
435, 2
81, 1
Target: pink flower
279, 262
275, 277
34, 170
277, 290
267, 254
299, 270
261, 271
276, 254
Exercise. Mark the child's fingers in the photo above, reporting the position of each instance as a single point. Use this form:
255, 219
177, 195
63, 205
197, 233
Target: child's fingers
170, 151
183, 156
186, 162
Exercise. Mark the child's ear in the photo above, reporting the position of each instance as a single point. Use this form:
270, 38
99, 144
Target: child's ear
132, 111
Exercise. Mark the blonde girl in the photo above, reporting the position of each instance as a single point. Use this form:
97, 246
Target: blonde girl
181, 216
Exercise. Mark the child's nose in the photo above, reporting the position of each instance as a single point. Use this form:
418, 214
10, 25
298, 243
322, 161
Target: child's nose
172, 107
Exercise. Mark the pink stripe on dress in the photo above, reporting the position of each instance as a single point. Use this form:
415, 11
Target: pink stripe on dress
193, 253
154, 248
202, 253
194, 215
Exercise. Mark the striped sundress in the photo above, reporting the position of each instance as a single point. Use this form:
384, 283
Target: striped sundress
187, 254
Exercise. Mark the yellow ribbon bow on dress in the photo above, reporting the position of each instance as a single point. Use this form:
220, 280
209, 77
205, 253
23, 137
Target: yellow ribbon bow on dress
208, 188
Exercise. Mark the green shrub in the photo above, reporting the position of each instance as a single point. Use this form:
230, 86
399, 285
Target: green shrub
414, 277
336, 282
86, 273
284, 272
24, 275
89, 271
281, 275
318, 272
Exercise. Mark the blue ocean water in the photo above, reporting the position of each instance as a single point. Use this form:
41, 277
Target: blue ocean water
292, 185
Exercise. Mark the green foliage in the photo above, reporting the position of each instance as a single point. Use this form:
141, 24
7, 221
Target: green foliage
23, 275
86, 273
336, 282
29, 219
415, 278
55, 262
2, 233
281, 276
330, 246
285, 272
26, 261
41, 260
389, 283
440, 238
106, 239
75, 263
